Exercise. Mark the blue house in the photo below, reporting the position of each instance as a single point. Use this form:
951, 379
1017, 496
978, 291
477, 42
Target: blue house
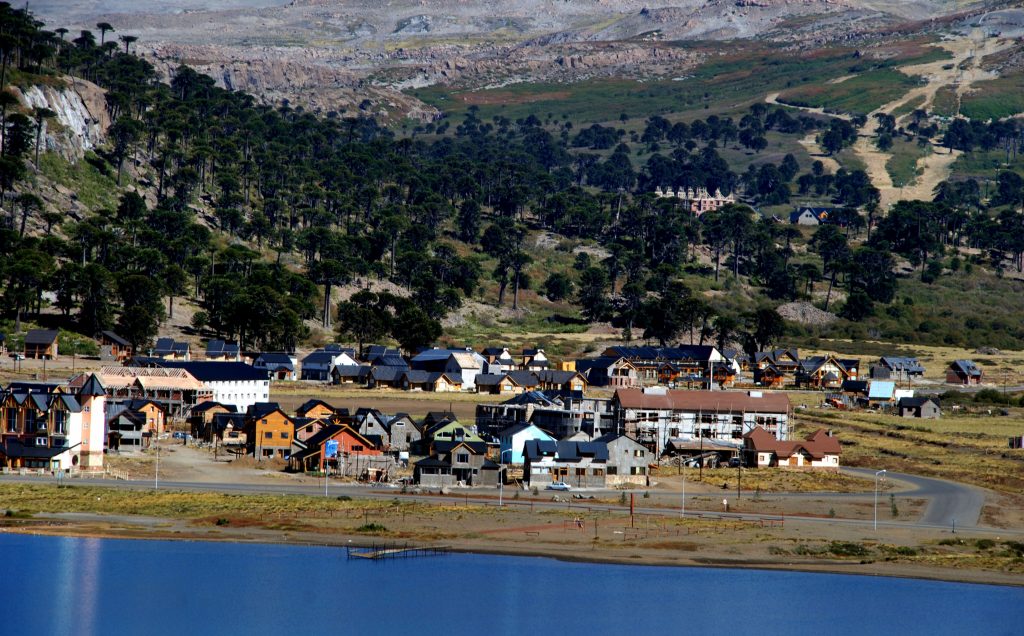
513, 439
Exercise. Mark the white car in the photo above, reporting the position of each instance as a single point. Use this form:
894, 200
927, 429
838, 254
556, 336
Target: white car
558, 485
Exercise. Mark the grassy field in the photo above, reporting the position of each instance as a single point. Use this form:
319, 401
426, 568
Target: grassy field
902, 164
860, 94
970, 449
94, 188
946, 102
995, 99
722, 84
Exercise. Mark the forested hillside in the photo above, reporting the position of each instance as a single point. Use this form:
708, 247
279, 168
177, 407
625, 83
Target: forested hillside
258, 213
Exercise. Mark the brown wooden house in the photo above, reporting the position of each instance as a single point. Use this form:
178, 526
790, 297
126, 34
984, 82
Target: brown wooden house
41, 344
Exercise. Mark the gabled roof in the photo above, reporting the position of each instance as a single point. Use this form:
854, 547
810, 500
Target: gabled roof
139, 404
387, 374
203, 407
352, 370
276, 360
263, 409
41, 337
515, 429
816, 445
908, 365
311, 404
211, 371
389, 361
557, 377
491, 379
113, 337
966, 367
447, 446
916, 402
92, 387
525, 379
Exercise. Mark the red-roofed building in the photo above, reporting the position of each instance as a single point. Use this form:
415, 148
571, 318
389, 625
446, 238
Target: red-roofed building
653, 416
819, 450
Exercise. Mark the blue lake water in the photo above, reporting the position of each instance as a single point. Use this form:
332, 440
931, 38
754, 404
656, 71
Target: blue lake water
81, 587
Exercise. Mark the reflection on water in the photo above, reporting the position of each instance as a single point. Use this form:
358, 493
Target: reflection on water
99, 587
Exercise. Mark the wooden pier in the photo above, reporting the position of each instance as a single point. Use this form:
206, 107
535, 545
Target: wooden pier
380, 552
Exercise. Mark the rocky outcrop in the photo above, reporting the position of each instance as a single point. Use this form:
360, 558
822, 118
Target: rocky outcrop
81, 119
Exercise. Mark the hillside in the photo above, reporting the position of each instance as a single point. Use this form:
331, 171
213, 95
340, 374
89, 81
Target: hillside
527, 213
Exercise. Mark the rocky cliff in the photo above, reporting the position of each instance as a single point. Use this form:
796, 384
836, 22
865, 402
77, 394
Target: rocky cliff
81, 121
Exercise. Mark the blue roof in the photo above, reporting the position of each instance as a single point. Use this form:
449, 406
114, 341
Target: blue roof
881, 390
212, 371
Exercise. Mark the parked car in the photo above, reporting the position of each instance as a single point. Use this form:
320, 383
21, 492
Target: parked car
734, 462
558, 485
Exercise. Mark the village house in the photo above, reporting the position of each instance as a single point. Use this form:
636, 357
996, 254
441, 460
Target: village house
963, 372
463, 462
578, 464
512, 439
269, 431
113, 348
169, 349
609, 371
278, 366
201, 416
881, 393
221, 351
923, 407
497, 384
826, 372
534, 360
435, 381
351, 458
153, 412
465, 364
811, 216
350, 374
697, 201
41, 344
230, 430
398, 433
655, 415
819, 450
498, 359
560, 414
318, 365
568, 381
628, 460
53, 426
900, 369
315, 408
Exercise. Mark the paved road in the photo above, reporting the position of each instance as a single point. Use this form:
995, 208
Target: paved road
946, 500
949, 503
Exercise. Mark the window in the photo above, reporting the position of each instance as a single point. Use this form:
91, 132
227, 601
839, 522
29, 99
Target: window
598, 472
268, 435
284, 434
356, 448
638, 453
462, 458
613, 470
638, 470
60, 422
580, 472
12, 420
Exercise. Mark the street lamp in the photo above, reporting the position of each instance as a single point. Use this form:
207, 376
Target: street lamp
501, 479
682, 512
877, 475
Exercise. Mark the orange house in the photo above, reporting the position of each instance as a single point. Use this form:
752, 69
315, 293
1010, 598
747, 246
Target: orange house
315, 409
351, 447
154, 412
269, 431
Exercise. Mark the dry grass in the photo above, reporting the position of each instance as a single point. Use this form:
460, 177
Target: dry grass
969, 449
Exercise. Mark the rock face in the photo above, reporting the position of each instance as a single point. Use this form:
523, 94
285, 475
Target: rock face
81, 121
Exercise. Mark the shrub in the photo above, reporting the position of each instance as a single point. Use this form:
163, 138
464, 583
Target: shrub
371, 527
985, 544
846, 548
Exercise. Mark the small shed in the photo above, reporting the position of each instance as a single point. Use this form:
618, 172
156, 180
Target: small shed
924, 407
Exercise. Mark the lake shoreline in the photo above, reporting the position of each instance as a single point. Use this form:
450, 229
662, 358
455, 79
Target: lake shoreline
163, 529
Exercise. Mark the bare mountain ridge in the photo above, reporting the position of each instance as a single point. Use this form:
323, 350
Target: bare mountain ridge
342, 55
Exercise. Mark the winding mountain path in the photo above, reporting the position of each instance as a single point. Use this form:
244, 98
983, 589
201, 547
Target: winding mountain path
967, 52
